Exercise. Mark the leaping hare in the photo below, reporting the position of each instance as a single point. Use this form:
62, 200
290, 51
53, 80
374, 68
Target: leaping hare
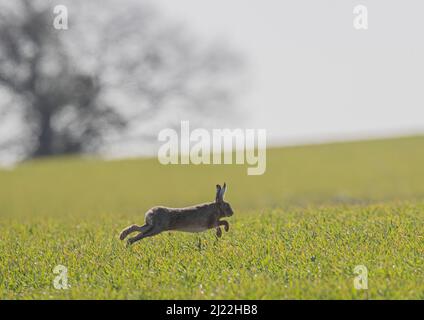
191, 219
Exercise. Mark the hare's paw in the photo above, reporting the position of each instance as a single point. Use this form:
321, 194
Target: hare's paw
123, 234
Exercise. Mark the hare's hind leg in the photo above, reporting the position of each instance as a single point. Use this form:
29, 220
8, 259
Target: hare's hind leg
131, 229
152, 231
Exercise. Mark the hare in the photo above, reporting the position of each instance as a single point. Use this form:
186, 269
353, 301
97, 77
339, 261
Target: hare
191, 219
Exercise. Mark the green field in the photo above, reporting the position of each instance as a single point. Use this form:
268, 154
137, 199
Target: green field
297, 232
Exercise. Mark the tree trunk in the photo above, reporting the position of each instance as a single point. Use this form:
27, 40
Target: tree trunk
45, 136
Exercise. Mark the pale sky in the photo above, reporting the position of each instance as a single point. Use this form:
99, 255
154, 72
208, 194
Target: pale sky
312, 76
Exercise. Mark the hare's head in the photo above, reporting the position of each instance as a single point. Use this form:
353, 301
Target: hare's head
224, 207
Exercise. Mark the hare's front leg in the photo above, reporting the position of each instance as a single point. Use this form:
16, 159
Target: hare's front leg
218, 232
218, 227
225, 224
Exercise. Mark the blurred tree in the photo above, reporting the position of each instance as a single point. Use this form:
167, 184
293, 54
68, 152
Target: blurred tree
116, 69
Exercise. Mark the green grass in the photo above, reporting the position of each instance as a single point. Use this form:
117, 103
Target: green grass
297, 233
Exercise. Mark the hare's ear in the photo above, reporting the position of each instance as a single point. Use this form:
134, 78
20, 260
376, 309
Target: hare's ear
222, 192
218, 193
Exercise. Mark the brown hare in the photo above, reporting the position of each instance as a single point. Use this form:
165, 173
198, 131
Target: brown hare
191, 219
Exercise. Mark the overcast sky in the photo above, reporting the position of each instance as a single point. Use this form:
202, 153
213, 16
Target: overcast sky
312, 76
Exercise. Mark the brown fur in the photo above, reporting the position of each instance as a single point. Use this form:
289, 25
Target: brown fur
190, 219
